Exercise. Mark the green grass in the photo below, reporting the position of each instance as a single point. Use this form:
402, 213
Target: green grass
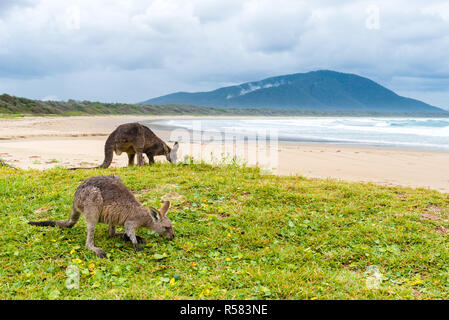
239, 235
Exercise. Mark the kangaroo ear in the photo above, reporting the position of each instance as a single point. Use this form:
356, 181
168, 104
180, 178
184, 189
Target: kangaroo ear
164, 208
155, 214
175, 146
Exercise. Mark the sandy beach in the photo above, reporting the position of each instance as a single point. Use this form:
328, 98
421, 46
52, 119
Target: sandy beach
45, 142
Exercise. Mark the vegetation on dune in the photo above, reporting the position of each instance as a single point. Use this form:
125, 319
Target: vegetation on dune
239, 235
13, 107
4, 164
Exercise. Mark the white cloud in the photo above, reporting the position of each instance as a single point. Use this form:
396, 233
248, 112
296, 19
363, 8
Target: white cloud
133, 50
254, 86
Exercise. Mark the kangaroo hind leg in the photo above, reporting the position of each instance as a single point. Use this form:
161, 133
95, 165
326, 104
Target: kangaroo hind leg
92, 215
140, 159
90, 241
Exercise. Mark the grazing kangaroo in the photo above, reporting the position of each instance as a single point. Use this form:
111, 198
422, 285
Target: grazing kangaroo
106, 199
134, 138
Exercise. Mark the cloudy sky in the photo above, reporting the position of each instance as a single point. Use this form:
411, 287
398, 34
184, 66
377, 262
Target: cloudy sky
132, 50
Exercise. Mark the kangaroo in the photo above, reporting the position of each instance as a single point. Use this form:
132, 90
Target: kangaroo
134, 138
106, 199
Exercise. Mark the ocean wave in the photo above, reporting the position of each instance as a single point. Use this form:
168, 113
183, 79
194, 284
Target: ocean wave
411, 132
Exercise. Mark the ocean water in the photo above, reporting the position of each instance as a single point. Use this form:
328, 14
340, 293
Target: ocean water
429, 133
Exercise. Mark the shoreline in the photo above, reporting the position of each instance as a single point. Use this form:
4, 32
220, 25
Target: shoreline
283, 138
43, 142
105, 130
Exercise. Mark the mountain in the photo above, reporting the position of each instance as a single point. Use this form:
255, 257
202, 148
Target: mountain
322, 90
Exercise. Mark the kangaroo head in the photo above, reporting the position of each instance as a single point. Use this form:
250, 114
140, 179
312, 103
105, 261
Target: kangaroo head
162, 223
172, 155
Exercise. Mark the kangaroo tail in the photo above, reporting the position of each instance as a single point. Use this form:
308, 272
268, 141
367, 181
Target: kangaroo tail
108, 151
60, 223
108, 154
74, 217
47, 223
